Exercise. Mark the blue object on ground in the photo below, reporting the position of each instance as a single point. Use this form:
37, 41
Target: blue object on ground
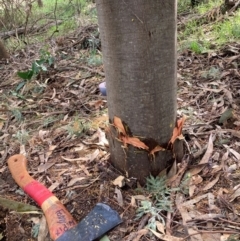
103, 88
98, 222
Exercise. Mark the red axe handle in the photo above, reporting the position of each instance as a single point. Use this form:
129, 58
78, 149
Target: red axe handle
58, 218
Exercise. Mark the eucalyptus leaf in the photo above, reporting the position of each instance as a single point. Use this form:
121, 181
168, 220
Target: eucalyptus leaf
105, 238
27, 75
20, 85
35, 230
43, 68
226, 115
50, 60
35, 67
40, 62
17, 206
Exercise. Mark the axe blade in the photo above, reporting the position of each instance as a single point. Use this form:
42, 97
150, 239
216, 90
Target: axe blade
98, 222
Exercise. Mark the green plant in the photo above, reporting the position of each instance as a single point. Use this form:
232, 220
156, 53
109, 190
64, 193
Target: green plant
49, 120
147, 207
233, 237
46, 57
236, 30
94, 59
184, 185
161, 201
94, 43
38, 66
35, 230
183, 5
212, 73
205, 6
77, 127
196, 47
17, 114
66, 27
204, 33
22, 136
159, 191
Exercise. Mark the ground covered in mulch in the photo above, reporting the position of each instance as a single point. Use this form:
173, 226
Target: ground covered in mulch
58, 121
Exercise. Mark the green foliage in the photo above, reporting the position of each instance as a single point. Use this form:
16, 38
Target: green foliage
229, 30
184, 185
78, 127
226, 115
94, 42
202, 35
50, 120
17, 206
236, 30
94, 60
212, 73
205, 6
183, 5
46, 57
161, 201
65, 27
233, 237
160, 192
38, 66
64, 9
191, 28
73, 14
26, 75
105, 238
93, 13
147, 207
196, 47
17, 114
35, 230
22, 137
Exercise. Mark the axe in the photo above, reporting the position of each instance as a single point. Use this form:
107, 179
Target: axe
61, 224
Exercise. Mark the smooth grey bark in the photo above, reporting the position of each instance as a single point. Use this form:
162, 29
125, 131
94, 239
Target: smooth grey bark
138, 40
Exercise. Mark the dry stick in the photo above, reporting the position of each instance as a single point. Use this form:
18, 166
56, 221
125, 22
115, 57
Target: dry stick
168, 223
202, 231
35, 112
79, 194
55, 17
234, 133
93, 71
19, 31
223, 16
175, 183
231, 222
234, 7
27, 18
217, 20
143, 221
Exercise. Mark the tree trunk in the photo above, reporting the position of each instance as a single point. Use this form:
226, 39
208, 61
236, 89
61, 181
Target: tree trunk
139, 55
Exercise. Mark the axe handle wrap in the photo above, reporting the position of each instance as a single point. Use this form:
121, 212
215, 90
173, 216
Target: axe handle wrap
37, 192
58, 218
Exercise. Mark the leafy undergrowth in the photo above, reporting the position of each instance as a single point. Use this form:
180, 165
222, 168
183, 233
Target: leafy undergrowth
57, 118
207, 26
